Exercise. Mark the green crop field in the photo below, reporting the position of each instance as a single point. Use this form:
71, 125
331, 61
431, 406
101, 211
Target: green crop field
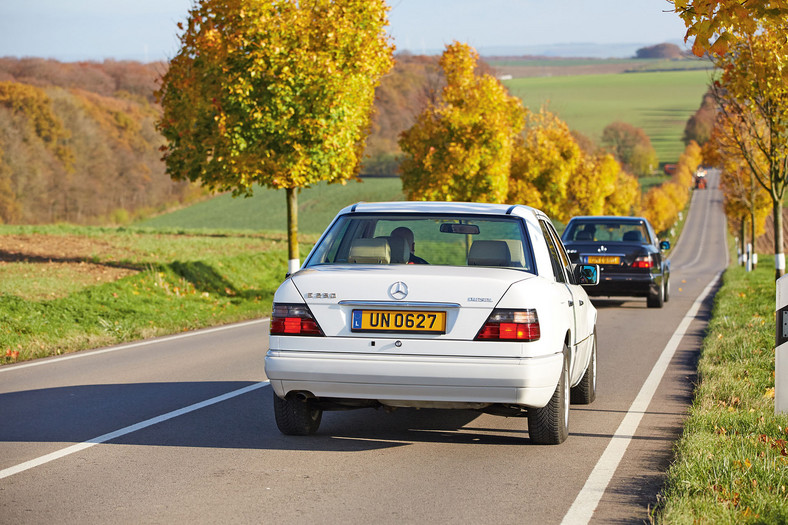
572, 65
659, 102
267, 210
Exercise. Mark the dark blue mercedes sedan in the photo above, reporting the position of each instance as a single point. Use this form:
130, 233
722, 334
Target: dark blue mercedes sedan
629, 255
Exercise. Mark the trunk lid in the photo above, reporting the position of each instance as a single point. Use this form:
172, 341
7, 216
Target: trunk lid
465, 295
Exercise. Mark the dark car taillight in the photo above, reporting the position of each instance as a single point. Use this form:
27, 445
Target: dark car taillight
293, 319
645, 261
511, 325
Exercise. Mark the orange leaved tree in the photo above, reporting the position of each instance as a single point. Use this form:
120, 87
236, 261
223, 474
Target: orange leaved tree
717, 24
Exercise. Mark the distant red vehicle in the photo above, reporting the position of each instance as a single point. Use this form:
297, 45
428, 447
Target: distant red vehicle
670, 169
700, 179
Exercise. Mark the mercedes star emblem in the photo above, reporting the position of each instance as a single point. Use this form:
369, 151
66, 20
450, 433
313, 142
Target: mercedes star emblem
398, 290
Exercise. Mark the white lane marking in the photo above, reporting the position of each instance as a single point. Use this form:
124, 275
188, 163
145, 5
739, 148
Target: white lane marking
702, 235
587, 500
27, 465
11, 368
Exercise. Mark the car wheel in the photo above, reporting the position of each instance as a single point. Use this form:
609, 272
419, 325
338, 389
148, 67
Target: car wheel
656, 300
584, 392
666, 293
549, 425
296, 417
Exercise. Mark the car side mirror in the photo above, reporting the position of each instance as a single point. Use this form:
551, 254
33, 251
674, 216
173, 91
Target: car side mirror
664, 245
587, 274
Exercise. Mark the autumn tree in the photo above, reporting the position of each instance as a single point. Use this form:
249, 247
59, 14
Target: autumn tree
631, 147
700, 124
717, 24
626, 199
665, 50
744, 199
660, 208
460, 147
591, 184
545, 157
273, 92
752, 99
10, 209
662, 204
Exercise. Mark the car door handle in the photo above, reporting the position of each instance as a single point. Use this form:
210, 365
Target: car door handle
581, 302
571, 303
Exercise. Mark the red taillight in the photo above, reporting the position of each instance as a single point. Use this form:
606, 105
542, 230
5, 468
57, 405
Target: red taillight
511, 325
643, 262
293, 319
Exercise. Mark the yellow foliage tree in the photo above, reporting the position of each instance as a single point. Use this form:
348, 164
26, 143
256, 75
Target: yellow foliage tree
625, 200
659, 208
718, 24
273, 92
752, 97
460, 148
544, 161
743, 198
590, 185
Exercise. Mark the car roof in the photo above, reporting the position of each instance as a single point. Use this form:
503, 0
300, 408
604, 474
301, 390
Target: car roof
443, 207
608, 218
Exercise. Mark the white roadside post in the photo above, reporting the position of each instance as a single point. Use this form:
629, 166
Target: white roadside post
781, 348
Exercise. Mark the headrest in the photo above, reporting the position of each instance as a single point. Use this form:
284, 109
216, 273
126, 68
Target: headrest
633, 235
489, 253
584, 235
516, 252
369, 251
400, 251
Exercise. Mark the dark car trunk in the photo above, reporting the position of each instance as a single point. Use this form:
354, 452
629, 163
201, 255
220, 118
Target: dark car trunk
613, 257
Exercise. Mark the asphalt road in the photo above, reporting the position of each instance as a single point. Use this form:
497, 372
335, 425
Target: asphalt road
140, 434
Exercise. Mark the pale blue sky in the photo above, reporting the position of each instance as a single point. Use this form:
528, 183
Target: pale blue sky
146, 29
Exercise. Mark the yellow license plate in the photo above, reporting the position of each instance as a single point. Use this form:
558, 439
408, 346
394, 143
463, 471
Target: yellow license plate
603, 259
398, 321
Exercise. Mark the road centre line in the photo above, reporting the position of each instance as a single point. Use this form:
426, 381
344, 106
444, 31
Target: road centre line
27, 465
77, 355
588, 498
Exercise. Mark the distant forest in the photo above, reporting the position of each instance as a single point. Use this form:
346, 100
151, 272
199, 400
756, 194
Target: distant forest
78, 141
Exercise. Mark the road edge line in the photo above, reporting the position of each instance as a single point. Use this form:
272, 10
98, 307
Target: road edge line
126, 346
27, 465
587, 500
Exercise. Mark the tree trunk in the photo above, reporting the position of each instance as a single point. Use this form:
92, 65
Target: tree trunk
779, 255
743, 242
293, 262
753, 257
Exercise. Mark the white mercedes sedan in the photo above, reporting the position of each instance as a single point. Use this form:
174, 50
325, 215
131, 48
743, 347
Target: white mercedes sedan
435, 305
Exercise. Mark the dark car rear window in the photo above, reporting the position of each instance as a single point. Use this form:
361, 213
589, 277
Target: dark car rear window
607, 231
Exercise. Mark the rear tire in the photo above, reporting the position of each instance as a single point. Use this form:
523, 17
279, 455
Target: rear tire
549, 425
658, 299
667, 290
296, 417
584, 392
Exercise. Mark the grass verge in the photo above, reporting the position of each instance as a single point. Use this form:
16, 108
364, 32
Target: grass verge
171, 283
731, 462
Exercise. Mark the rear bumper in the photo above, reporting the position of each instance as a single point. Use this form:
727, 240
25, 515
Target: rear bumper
528, 382
626, 284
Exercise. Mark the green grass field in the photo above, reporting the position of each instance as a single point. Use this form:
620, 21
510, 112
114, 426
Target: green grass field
267, 210
629, 64
659, 102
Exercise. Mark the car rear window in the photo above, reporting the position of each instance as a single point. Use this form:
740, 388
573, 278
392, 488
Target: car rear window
431, 239
607, 231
